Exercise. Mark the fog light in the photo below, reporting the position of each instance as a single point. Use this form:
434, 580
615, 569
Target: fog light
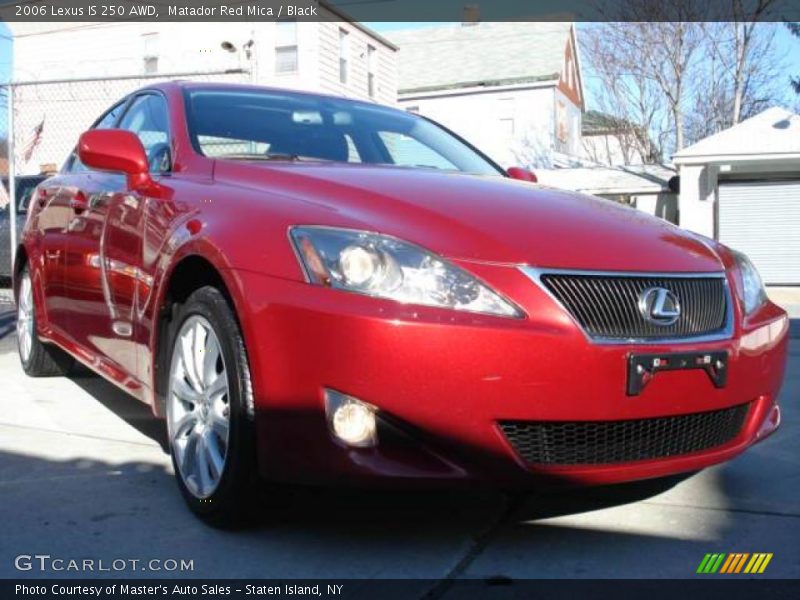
350, 420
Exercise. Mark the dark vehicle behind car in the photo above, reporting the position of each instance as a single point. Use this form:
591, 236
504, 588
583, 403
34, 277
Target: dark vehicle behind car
24, 189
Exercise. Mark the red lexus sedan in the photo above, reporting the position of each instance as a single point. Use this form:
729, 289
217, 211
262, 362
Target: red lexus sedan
316, 289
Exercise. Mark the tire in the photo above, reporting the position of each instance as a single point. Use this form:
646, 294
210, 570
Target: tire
38, 359
214, 466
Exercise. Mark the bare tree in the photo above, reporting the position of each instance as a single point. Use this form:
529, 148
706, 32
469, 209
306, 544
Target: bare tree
632, 105
681, 74
644, 68
748, 47
726, 94
741, 70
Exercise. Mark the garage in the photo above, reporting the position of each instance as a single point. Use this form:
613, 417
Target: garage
741, 186
762, 219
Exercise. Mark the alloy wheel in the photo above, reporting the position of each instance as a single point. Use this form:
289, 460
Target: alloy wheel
198, 406
25, 318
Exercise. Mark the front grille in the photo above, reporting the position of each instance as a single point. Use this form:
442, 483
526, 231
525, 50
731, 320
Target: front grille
607, 306
608, 442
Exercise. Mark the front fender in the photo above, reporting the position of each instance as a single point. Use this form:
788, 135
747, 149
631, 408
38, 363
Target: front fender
185, 242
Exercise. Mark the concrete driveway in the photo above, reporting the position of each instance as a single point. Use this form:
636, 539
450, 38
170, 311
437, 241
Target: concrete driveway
83, 473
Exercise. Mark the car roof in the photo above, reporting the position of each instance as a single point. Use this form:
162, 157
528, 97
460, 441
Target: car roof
249, 87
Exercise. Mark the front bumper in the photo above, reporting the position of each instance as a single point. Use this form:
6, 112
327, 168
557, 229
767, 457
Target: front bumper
443, 381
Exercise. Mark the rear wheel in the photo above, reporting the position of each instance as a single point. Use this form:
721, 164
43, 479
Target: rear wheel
208, 420
38, 359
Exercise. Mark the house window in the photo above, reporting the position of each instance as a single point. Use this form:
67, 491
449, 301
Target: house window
371, 50
150, 52
343, 55
286, 47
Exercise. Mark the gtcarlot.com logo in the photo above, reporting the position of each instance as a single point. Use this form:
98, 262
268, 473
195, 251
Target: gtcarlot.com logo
46, 562
734, 563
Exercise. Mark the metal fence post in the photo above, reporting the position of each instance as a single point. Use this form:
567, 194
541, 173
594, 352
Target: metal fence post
12, 175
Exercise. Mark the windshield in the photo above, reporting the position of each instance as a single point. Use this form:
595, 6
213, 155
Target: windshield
274, 125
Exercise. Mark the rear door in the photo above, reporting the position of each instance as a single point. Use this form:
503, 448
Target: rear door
51, 218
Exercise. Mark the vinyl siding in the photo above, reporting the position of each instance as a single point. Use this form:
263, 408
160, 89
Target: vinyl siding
356, 86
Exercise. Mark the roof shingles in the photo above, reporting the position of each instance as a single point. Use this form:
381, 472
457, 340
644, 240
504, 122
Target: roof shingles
481, 54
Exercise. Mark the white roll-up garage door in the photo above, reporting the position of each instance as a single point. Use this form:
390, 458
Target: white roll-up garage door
762, 219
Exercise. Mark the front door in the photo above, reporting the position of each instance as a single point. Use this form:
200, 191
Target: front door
104, 256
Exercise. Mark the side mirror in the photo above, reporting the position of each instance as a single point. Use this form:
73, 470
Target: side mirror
116, 150
522, 174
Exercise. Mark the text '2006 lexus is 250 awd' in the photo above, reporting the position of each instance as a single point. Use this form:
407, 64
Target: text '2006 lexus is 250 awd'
313, 289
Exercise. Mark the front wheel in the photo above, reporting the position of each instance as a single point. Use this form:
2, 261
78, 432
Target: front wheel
209, 405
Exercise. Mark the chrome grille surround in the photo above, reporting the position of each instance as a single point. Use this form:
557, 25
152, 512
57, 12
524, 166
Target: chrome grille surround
604, 304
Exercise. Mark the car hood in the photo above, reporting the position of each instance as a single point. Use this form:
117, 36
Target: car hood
491, 219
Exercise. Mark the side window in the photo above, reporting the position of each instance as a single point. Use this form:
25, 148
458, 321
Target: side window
110, 118
147, 118
407, 151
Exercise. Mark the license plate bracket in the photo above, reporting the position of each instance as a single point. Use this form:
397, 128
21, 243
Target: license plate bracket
643, 367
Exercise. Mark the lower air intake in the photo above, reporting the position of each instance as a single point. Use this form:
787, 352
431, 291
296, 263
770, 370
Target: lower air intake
608, 442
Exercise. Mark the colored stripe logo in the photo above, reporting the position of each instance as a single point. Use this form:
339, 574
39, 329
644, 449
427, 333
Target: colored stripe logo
735, 562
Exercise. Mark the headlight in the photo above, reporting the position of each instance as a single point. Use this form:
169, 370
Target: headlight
753, 293
385, 267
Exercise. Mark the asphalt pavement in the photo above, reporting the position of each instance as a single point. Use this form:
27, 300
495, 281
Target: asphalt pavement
84, 473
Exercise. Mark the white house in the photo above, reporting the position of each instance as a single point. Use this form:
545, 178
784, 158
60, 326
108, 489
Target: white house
512, 89
331, 56
742, 187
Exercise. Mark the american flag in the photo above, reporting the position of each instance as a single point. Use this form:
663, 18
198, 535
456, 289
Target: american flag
33, 141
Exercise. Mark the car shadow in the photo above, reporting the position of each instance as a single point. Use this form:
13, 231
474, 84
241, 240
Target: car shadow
295, 503
88, 505
135, 413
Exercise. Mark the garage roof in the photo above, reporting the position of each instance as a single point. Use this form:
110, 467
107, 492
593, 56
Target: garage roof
772, 134
480, 54
633, 179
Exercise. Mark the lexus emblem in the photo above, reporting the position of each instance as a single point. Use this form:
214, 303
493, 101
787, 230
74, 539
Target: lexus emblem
659, 306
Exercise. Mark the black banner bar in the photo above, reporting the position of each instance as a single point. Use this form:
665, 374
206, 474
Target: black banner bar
707, 587
389, 10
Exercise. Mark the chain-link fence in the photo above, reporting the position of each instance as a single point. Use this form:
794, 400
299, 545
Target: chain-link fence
40, 122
